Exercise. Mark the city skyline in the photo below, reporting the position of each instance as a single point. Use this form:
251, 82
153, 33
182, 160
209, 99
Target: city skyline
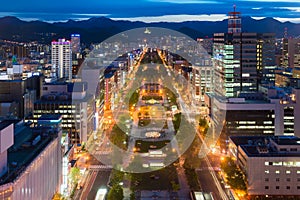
179, 106
152, 10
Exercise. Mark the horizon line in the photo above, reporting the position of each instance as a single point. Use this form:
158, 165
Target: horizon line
176, 18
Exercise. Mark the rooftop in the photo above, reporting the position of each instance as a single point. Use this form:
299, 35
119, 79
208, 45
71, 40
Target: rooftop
50, 117
286, 140
5, 124
28, 144
263, 146
253, 151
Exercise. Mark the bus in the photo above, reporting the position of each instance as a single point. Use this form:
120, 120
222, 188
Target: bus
101, 194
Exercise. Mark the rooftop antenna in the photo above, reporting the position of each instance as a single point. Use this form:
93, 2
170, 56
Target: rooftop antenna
234, 21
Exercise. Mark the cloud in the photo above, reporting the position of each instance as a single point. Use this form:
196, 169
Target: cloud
258, 18
176, 18
91, 14
293, 9
293, 20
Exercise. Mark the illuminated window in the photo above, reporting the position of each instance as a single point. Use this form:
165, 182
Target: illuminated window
267, 171
277, 172
288, 172
277, 163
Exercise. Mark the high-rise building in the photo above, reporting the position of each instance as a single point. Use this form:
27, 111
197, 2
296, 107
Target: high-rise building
234, 21
71, 101
240, 60
291, 52
62, 58
271, 111
75, 43
17, 96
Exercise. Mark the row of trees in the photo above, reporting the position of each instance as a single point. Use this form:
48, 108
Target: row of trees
116, 191
235, 177
192, 162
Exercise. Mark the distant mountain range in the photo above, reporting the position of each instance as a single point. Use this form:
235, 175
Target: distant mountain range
98, 29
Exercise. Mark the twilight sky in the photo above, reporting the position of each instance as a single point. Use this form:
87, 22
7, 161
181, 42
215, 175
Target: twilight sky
150, 10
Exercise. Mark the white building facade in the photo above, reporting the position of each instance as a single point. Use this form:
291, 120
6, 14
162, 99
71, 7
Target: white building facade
61, 56
271, 164
39, 179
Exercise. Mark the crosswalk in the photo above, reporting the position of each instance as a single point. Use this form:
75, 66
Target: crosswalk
101, 167
102, 153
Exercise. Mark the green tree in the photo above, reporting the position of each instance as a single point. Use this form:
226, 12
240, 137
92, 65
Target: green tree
235, 177
192, 160
175, 186
203, 126
115, 193
75, 175
116, 177
132, 195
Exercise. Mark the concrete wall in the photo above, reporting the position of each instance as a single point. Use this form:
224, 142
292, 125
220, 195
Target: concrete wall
42, 178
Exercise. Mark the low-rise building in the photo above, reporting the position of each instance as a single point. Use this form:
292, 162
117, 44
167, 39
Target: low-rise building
30, 161
270, 164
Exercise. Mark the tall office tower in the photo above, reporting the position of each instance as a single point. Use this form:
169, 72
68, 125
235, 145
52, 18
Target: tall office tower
75, 43
291, 52
234, 21
62, 58
241, 60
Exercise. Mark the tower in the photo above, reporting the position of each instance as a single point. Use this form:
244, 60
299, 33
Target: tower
62, 58
234, 21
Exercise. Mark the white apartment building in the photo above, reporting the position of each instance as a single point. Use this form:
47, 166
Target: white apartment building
61, 56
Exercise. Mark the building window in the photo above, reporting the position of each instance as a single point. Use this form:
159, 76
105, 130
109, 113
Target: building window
266, 179
283, 149
277, 179
298, 179
288, 171
277, 172
266, 187
288, 179
288, 187
277, 163
277, 187
298, 187
267, 171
